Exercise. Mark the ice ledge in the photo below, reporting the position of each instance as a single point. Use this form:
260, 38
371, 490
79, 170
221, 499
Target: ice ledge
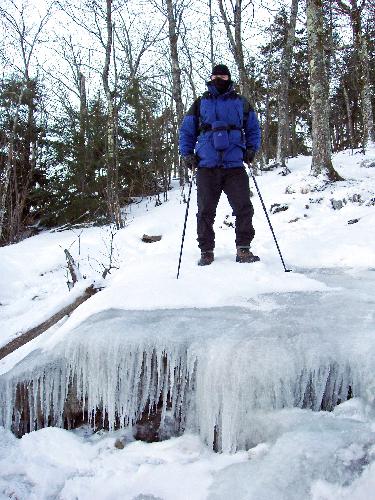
205, 370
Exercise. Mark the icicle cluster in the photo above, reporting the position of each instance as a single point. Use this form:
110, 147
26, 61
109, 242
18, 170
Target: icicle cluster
213, 382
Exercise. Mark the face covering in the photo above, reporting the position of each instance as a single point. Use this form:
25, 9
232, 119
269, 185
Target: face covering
221, 85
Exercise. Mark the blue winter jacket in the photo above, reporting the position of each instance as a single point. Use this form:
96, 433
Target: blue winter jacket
233, 109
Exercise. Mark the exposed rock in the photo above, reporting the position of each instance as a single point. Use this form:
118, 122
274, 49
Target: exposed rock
150, 239
285, 171
294, 220
119, 444
321, 186
353, 221
371, 203
368, 163
271, 166
289, 190
337, 204
73, 410
147, 428
355, 198
278, 207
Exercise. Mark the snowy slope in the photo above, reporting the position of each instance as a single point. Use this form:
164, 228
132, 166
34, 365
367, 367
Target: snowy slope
298, 454
34, 271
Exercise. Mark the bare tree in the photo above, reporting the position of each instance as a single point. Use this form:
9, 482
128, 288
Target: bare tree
24, 36
233, 19
112, 122
72, 55
96, 18
135, 38
173, 11
211, 29
173, 21
283, 101
321, 157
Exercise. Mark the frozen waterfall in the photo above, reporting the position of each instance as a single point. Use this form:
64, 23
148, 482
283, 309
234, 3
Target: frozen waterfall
212, 371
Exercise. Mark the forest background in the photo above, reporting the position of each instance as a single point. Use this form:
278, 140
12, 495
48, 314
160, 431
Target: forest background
92, 94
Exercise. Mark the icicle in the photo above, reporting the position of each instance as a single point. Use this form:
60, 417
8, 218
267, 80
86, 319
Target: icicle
211, 385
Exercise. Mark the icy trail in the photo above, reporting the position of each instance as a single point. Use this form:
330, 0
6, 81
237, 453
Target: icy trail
211, 368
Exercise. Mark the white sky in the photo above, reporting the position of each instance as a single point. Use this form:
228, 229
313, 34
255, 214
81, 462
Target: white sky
139, 13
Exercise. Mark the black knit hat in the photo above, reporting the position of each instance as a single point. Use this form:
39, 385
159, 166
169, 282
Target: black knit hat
221, 69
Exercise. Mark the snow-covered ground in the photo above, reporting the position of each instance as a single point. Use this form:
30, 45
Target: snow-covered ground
298, 454
305, 455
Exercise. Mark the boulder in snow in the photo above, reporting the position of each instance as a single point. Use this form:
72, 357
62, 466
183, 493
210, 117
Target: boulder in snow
368, 163
290, 190
337, 204
355, 198
278, 207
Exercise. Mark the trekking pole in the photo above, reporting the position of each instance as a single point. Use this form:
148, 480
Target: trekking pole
269, 223
186, 216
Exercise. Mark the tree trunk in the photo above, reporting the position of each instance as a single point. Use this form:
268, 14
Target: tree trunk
235, 43
22, 174
176, 71
176, 75
43, 327
293, 134
266, 128
211, 28
283, 94
238, 49
111, 156
6, 175
360, 46
350, 131
321, 157
83, 118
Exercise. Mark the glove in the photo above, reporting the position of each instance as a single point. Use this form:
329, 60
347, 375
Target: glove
249, 156
190, 161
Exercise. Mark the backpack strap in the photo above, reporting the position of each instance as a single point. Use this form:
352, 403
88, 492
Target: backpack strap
247, 107
195, 109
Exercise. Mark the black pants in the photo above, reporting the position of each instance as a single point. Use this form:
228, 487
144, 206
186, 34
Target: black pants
211, 182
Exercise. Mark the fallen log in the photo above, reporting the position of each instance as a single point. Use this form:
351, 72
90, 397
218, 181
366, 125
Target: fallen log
150, 239
43, 327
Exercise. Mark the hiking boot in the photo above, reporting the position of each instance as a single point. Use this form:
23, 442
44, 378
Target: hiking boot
244, 255
206, 259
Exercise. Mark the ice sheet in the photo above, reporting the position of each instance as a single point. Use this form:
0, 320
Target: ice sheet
212, 367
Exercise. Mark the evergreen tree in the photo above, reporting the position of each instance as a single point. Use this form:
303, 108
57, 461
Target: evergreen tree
75, 191
22, 134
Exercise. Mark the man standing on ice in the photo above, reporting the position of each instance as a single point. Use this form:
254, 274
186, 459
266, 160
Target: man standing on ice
218, 134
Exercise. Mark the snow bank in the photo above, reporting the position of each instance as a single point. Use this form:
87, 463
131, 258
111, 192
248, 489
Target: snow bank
304, 455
